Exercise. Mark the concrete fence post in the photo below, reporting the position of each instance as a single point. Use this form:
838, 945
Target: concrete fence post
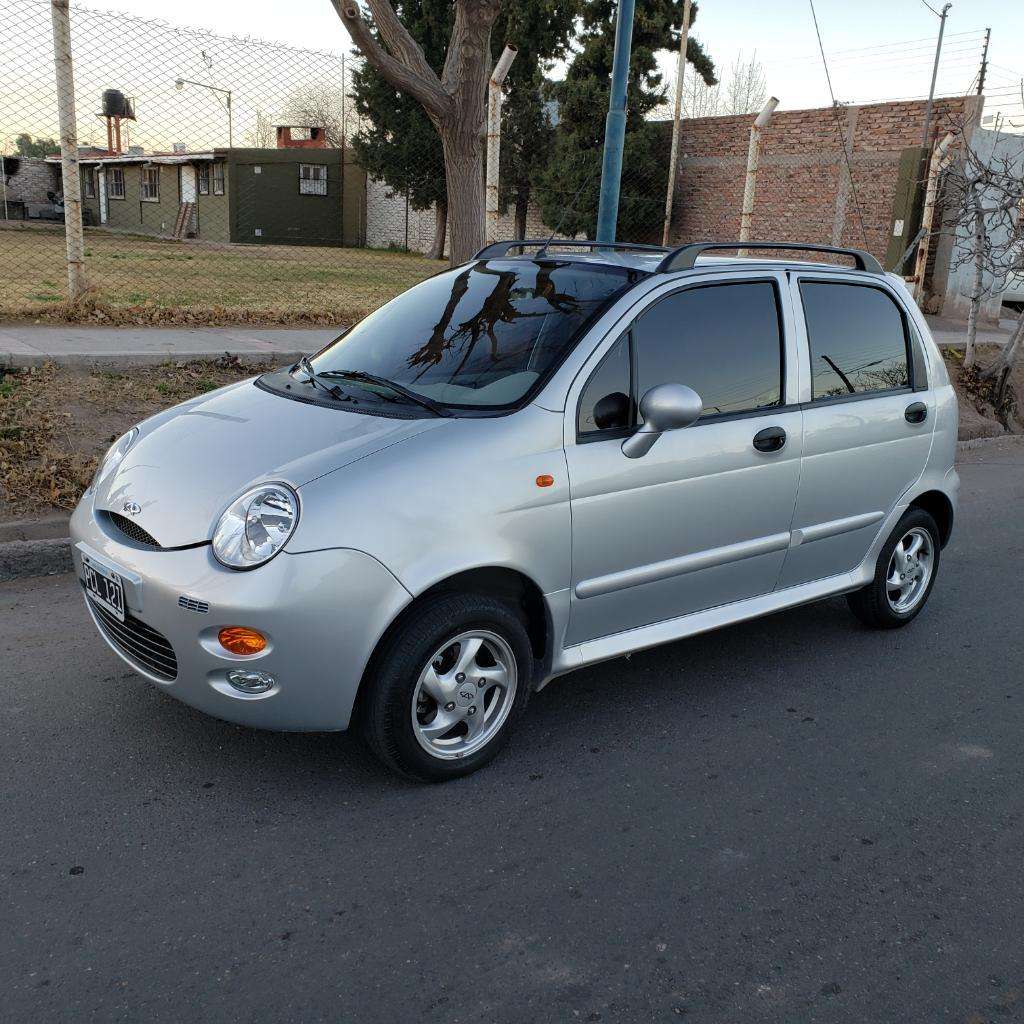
494, 138
72, 183
753, 159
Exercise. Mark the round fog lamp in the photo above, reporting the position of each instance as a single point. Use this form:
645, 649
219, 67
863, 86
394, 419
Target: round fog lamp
250, 682
241, 640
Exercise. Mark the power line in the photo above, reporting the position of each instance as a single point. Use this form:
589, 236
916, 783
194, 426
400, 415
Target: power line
839, 129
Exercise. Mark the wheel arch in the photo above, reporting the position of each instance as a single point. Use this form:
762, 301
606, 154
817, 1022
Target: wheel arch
502, 582
940, 508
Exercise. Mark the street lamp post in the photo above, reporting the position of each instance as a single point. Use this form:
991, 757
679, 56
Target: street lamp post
180, 83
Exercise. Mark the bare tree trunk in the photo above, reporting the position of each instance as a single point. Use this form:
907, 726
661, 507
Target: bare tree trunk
440, 229
522, 208
1008, 358
976, 284
464, 167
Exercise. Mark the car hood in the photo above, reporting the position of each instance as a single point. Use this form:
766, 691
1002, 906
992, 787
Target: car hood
192, 461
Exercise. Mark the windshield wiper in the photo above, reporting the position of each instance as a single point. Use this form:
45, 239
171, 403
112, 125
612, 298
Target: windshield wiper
399, 389
313, 378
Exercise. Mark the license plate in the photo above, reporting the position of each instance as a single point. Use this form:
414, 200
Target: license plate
105, 588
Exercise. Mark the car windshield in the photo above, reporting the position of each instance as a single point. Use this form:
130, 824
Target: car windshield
479, 336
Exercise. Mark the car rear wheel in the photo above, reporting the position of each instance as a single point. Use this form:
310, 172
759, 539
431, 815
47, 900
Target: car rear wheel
904, 574
448, 685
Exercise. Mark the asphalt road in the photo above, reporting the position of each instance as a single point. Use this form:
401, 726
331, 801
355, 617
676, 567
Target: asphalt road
792, 820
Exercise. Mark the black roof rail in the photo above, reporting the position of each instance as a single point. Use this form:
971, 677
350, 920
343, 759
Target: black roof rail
496, 249
685, 256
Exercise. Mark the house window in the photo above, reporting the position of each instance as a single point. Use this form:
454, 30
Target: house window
218, 179
204, 179
151, 184
90, 183
313, 179
115, 182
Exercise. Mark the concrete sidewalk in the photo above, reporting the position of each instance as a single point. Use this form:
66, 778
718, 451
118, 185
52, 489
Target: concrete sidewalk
35, 344
953, 333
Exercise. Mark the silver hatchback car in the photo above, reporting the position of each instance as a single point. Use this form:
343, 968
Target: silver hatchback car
551, 456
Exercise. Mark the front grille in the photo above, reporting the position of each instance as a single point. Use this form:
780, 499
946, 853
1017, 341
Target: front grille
139, 643
132, 530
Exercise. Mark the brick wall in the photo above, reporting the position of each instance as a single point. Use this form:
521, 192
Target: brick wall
34, 179
804, 190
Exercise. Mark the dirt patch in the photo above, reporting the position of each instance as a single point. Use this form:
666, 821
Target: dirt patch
56, 423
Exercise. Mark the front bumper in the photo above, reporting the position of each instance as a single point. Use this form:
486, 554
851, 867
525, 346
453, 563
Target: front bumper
322, 612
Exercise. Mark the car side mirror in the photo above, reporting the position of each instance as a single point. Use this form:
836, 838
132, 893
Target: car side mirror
663, 407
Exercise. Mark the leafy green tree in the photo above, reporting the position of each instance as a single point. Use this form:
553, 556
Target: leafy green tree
574, 168
38, 147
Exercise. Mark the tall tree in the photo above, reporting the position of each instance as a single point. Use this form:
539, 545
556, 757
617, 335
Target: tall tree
572, 172
453, 99
27, 146
747, 89
396, 141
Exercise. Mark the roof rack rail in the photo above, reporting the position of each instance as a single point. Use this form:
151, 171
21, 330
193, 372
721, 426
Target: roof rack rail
685, 256
496, 249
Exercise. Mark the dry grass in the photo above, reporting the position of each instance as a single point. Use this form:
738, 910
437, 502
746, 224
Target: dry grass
56, 423
139, 280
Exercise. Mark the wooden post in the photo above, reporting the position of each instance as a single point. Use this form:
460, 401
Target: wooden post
677, 115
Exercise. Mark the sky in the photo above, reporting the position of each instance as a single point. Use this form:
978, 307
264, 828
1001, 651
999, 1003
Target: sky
878, 49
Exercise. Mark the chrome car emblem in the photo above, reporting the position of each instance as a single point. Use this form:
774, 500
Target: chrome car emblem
131, 508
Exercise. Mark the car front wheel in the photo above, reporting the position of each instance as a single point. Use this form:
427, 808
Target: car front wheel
447, 686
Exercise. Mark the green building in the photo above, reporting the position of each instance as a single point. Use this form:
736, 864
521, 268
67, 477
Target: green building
290, 196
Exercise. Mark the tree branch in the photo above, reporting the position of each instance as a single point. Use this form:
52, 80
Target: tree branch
397, 39
427, 91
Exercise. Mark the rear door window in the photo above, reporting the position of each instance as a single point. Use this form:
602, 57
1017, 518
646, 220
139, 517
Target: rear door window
858, 340
724, 341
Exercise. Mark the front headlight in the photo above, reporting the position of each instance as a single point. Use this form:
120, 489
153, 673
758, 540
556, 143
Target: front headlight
256, 526
115, 453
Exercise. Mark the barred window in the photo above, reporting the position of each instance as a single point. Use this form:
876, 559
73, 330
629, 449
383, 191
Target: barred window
151, 184
204, 179
89, 179
313, 179
218, 179
115, 182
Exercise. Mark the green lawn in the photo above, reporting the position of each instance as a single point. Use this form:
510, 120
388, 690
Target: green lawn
135, 278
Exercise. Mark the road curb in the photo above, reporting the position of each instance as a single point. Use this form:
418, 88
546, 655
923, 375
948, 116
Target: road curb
48, 557
21, 558
132, 360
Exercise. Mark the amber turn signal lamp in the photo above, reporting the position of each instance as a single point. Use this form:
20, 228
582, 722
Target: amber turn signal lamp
241, 640
544, 480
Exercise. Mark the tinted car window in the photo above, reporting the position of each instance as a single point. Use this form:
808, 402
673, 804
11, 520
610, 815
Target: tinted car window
857, 338
606, 403
481, 335
724, 341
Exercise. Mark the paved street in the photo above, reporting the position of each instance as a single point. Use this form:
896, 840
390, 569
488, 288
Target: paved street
794, 820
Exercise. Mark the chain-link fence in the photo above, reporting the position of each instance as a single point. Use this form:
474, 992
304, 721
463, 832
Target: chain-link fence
235, 179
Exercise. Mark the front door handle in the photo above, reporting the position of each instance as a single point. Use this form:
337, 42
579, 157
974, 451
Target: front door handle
771, 439
916, 413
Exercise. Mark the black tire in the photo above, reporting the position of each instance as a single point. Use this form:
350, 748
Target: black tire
871, 603
385, 716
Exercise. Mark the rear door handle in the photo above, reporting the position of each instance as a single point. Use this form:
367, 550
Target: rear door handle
771, 439
916, 412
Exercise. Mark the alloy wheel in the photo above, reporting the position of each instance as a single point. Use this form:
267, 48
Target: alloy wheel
910, 570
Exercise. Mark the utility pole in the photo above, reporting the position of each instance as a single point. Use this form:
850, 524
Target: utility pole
615, 125
935, 74
72, 182
984, 63
673, 159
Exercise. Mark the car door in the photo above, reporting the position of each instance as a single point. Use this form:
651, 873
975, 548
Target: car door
868, 417
703, 518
